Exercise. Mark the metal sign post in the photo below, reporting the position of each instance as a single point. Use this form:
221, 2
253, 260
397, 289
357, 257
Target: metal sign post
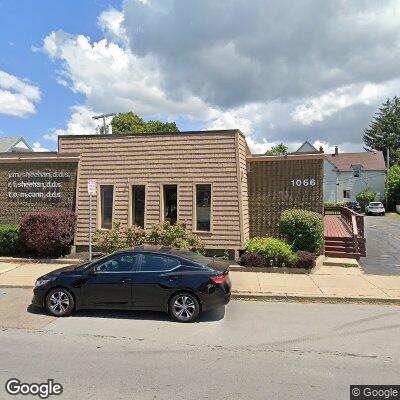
91, 191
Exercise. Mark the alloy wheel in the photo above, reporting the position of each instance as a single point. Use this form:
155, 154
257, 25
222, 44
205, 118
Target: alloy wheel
184, 307
59, 302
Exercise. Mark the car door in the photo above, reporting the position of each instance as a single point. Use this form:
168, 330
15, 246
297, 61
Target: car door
109, 283
157, 276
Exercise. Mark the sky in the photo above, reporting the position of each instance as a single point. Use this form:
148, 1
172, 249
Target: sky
280, 71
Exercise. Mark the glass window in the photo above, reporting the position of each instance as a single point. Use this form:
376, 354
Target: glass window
138, 204
106, 206
120, 263
157, 262
170, 205
346, 194
203, 207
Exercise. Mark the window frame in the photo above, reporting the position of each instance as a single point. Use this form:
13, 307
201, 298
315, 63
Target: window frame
194, 224
139, 266
92, 269
130, 203
162, 220
99, 206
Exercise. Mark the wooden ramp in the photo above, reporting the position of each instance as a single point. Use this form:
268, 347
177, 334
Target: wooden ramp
340, 240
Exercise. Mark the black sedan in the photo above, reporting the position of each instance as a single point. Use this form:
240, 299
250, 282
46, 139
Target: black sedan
142, 278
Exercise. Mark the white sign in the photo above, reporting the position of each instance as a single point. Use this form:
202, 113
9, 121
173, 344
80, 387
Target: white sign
91, 186
303, 182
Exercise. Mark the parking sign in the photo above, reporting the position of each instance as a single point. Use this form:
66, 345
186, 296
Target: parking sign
91, 186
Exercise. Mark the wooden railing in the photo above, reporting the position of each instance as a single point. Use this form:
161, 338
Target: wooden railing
353, 219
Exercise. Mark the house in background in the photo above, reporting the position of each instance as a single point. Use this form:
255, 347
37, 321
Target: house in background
14, 144
347, 174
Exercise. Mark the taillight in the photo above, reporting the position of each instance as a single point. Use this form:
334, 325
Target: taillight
219, 279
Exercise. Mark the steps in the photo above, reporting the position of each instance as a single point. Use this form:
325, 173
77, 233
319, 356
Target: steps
341, 247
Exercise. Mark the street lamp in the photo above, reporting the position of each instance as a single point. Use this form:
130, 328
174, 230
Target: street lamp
103, 117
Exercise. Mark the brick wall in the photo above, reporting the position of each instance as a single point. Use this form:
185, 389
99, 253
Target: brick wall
35, 186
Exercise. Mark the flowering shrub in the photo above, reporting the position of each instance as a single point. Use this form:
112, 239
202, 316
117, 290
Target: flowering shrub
163, 234
118, 238
48, 233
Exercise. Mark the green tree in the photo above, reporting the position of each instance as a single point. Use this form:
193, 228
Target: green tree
365, 197
279, 149
393, 186
130, 123
384, 131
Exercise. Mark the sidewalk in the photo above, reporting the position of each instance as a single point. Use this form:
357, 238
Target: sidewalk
329, 282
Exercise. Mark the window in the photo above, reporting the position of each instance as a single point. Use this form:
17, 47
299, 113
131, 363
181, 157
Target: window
106, 206
120, 263
157, 262
356, 173
346, 194
138, 204
203, 207
170, 203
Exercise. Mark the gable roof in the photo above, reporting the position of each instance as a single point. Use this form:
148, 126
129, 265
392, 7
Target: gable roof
8, 144
306, 147
370, 161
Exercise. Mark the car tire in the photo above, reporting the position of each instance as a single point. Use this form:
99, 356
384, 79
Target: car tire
184, 307
383, 214
60, 302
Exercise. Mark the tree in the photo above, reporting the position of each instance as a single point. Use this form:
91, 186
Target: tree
130, 123
365, 197
384, 131
279, 149
393, 186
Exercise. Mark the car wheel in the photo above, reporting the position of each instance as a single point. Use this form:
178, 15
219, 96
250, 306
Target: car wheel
383, 214
184, 307
60, 302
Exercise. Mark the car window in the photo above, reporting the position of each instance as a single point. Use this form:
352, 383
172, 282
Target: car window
157, 262
120, 263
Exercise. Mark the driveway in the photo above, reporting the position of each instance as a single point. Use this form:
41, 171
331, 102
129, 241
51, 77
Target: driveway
253, 350
383, 245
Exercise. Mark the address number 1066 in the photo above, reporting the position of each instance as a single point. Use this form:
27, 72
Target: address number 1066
303, 182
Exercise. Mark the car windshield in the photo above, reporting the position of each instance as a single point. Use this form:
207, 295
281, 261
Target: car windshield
375, 204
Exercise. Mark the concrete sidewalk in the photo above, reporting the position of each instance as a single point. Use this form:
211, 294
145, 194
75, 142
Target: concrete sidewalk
328, 282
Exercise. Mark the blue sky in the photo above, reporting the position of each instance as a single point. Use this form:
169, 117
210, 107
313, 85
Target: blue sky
290, 71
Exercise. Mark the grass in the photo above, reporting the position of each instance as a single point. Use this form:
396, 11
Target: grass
348, 265
393, 214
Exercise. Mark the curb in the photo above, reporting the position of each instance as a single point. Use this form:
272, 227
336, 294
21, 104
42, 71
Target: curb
314, 299
17, 287
41, 260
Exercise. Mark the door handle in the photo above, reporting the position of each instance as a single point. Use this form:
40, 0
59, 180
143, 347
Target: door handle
125, 281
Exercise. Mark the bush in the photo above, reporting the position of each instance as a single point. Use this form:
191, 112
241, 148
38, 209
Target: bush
253, 260
393, 187
49, 233
304, 230
365, 197
163, 234
175, 235
305, 260
10, 240
276, 251
333, 204
118, 238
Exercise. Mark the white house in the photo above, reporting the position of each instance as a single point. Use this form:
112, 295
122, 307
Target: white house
347, 174
14, 144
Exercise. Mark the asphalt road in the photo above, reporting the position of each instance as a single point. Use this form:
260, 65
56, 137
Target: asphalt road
251, 350
383, 245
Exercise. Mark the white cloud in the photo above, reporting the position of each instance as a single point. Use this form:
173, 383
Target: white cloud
111, 22
17, 97
38, 147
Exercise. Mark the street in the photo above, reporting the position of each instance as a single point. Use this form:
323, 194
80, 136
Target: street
383, 245
253, 350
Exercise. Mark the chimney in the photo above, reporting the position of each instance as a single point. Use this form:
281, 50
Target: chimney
336, 151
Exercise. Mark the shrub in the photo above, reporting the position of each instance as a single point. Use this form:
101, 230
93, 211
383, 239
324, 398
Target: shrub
49, 233
305, 260
365, 197
163, 234
253, 260
304, 230
10, 240
118, 238
393, 187
176, 235
276, 251
333, 204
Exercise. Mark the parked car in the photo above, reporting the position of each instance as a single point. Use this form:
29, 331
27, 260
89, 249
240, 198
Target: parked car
375, 208
142, 278
354, 205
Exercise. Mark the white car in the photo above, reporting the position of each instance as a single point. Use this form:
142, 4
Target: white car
375, 208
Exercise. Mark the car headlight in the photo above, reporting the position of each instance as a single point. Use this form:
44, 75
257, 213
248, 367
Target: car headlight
44, 281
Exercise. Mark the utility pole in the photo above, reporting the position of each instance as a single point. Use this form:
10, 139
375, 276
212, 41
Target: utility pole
103, 117
387, 174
